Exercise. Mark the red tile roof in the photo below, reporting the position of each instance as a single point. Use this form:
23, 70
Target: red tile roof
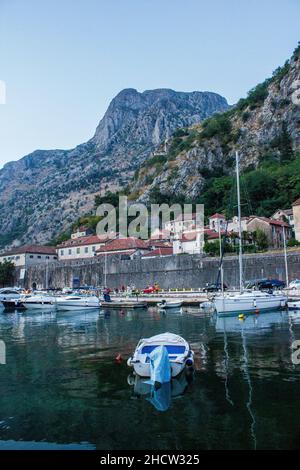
121, 244
213, 235
272, 221
127, 252
34, 249
217, 216
157, 243
87, 240
164, 251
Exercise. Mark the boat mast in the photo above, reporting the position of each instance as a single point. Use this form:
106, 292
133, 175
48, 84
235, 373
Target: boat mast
221, 261
285, 258
239, 221
105, 269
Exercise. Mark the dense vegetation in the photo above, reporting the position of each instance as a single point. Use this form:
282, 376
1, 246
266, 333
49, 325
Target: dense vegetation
274, 184
7, 269
264, 190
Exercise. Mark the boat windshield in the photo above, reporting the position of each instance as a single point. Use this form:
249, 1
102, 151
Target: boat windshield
172, 349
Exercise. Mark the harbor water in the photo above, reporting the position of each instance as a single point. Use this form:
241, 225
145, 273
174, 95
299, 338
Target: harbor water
62, 388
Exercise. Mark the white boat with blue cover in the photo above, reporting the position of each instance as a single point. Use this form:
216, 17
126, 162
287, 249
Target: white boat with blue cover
179, 352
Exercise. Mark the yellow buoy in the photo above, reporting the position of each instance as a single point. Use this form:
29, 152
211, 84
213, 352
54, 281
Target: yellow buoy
242, 316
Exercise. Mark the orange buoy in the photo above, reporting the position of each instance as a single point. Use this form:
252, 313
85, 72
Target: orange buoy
257, 311
119, 358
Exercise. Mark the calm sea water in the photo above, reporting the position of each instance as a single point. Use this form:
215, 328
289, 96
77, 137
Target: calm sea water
61, 387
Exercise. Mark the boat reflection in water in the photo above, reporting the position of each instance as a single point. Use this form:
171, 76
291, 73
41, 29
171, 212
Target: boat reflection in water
246, 325
160, 396
258, 323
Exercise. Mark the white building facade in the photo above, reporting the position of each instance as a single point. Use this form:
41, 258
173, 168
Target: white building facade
81, 247
191, 242
30, 255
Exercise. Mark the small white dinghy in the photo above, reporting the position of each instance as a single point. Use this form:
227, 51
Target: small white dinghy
179, 352
167, 304
294, 304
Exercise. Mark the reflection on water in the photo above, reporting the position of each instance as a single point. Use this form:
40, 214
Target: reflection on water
62, 387
160, 396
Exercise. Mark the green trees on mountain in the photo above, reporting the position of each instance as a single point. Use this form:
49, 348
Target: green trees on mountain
264, 189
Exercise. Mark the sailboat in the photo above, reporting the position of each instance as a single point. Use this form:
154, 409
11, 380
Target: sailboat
246, 300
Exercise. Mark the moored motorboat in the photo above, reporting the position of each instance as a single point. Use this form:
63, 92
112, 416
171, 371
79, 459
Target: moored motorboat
11, 305
179, 352
77, 302
40, 301
168, 304
8, 293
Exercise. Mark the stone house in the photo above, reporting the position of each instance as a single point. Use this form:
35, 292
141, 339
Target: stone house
82, 247
284, 214
272, 228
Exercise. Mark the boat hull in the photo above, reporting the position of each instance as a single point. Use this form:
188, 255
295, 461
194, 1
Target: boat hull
143, 370
179, 352
170, 305
238, 304
12, 305
40, 305
294, 305
72, 307
77, 303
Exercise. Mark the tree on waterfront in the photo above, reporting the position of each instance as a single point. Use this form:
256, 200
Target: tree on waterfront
261, 240
7, 269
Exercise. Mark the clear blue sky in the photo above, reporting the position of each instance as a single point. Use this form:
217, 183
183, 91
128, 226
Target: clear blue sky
64, 60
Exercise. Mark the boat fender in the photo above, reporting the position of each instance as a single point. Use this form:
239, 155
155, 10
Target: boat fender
189, 362
129, 362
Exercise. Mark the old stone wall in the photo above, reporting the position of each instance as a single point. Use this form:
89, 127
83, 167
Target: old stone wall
181, 271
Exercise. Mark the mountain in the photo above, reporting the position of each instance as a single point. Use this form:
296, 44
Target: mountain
197, 163
44, 193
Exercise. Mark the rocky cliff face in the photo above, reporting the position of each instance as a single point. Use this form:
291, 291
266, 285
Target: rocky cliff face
44, 192
266, 123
